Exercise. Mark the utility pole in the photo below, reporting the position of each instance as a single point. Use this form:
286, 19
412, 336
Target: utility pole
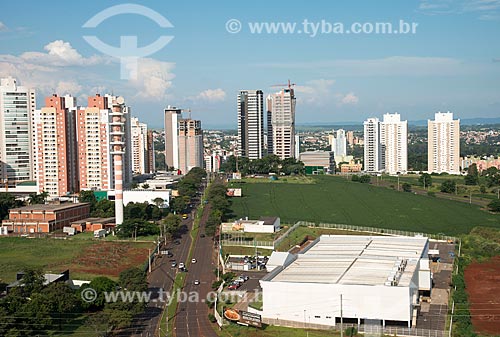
341, 318
398, 182
149, 259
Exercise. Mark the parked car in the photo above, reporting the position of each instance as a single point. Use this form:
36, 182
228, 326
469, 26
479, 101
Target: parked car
174, 264
240, 279
233, 286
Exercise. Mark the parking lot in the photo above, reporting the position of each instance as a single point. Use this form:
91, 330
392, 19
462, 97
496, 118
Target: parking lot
433, 315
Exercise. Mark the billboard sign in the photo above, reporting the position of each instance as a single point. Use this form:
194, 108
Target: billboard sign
233, 192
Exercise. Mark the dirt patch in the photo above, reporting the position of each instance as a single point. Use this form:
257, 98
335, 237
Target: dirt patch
108, 258
483, 287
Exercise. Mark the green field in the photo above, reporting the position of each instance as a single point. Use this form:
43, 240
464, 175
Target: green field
56, 255
337, 200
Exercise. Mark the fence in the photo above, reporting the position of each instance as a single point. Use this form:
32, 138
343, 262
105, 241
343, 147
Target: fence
290, 230
373, 330
242, 242
386, 231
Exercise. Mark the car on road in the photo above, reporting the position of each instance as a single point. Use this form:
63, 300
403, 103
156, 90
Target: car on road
202, 235
196, 282
185, 216
174, 264
193, 260
240, 280
181, 265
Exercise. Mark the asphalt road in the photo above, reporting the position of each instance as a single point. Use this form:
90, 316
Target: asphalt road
191, 319
161, 277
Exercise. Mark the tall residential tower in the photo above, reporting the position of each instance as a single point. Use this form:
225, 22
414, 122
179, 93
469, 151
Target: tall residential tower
281, 129
394, 141
251, 124
443, 144
374, 159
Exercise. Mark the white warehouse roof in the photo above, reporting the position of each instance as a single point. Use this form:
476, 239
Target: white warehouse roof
356, 260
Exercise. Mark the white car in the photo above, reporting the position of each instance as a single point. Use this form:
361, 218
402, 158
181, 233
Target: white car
193, 261
181, 265
196, 282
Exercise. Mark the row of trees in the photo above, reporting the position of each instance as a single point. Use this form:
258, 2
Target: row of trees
38, 309
489, 177
220, 206
266, 165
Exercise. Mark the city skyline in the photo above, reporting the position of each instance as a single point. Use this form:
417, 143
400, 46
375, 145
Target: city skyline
336, 78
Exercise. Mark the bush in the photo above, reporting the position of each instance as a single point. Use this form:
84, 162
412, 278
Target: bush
482, 189
494, 206
211, 318
355, 177
431, 194
216, 284
406, 187
351, 331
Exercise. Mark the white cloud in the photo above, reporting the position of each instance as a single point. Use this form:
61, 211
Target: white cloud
68, 87
3, 27
212, 95
487, 9
62, 69
349, 98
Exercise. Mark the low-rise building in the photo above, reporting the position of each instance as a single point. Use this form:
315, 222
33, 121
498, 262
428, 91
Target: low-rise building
44, 218
357, 277
318, 162
264, 225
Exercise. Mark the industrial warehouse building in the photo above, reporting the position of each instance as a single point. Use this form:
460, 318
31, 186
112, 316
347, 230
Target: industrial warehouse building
318, 162
369, 277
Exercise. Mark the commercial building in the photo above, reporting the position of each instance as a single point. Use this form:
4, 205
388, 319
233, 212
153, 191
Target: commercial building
17, 106
251, 124
212, 162
44, 218
56, 146
190, 145
394, 142
318, 162
443, 144
151, 196
281, 129
359, 277
351, 167
373, 155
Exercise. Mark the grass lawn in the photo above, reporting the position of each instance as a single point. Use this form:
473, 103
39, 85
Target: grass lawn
85, 259
336, 200
234, 330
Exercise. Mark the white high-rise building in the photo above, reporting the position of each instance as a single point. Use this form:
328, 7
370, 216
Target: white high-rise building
374, 158
17, 107
394, 140
443, 144
171, 119
251, 124
281, 129
339, 144
139, 146
190, 145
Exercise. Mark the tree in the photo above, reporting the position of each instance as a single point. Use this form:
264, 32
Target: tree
8, 201
448, 186
133, 279
158, 202
494, 206
365, 179
88, 196
355, 177
406, 187
100, 285
104, 209
425, 180
35, 198
172, 223
482, 189
492, 175
472, 177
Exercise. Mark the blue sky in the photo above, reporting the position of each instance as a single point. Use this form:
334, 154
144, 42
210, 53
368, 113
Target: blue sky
452, 62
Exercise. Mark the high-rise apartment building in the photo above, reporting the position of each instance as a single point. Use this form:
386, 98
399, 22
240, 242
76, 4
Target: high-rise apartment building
251, 124
339, 143
350, 138
17, 107
373, 154
281, 113
171, 120
190, 145
139, 132
56, 146
150, 153
394, 140
96, 141
443, 144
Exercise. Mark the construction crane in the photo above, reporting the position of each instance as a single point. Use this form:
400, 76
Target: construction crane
289, 85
